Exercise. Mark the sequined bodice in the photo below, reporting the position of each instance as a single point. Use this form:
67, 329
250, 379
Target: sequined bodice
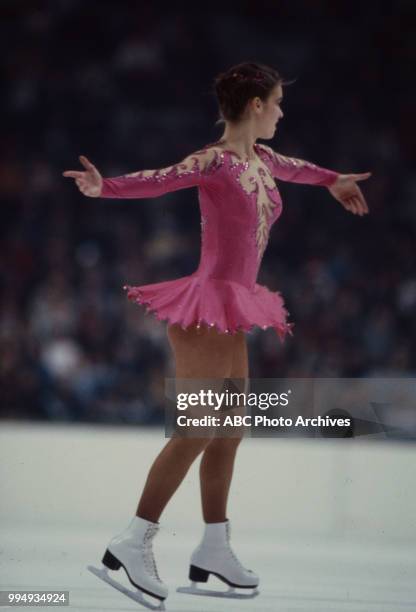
239, 202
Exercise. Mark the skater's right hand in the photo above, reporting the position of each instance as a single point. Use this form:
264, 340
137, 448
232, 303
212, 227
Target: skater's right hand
90, 181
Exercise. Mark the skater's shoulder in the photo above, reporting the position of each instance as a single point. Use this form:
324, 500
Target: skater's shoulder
264, 150
264, 147
210, 157
211, 151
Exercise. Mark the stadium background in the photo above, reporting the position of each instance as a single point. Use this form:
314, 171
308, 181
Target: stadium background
129, 85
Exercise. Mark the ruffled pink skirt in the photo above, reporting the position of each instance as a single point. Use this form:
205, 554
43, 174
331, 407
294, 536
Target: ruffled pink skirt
227, 305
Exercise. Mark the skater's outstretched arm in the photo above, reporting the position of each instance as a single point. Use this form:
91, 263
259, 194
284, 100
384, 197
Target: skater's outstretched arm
144, 183
297, 170
343, 187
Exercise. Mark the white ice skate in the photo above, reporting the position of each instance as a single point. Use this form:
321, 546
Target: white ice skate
132, 550
215, 556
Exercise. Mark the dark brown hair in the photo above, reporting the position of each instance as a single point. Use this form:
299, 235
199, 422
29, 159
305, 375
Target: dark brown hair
242, 82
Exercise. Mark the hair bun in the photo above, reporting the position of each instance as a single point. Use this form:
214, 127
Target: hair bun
236, 86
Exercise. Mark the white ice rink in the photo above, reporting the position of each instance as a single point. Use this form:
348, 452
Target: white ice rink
330, 526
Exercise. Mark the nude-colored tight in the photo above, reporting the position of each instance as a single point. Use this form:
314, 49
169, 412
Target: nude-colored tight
199, 354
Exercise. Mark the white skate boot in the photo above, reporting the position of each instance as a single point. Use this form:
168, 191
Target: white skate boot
215, 556
132, 550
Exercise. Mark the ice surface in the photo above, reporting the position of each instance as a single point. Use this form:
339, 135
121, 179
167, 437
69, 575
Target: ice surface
305, 515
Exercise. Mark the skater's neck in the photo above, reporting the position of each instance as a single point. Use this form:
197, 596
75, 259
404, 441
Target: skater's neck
241, 139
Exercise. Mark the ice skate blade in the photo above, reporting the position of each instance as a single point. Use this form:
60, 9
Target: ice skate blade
135, 595
231, 593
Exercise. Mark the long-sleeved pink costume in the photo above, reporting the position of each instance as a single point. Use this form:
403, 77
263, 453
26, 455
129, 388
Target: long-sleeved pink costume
239, 202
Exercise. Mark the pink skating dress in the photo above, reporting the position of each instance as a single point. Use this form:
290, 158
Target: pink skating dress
239, 202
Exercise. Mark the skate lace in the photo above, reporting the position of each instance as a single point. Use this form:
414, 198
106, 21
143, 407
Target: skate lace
149, 560
236, 559
231, 552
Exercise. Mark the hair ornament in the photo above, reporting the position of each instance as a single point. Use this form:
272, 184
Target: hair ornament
257, 78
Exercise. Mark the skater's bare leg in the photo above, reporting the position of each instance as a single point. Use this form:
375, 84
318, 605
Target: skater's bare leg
199, 353
166, 474
216, 471
217, 463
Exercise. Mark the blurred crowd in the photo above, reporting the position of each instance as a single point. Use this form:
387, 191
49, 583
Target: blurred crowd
130, 87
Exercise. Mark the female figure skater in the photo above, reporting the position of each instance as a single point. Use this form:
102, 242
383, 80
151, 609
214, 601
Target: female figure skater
210, 311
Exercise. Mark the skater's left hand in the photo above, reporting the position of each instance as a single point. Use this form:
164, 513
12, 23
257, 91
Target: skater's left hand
347, 192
